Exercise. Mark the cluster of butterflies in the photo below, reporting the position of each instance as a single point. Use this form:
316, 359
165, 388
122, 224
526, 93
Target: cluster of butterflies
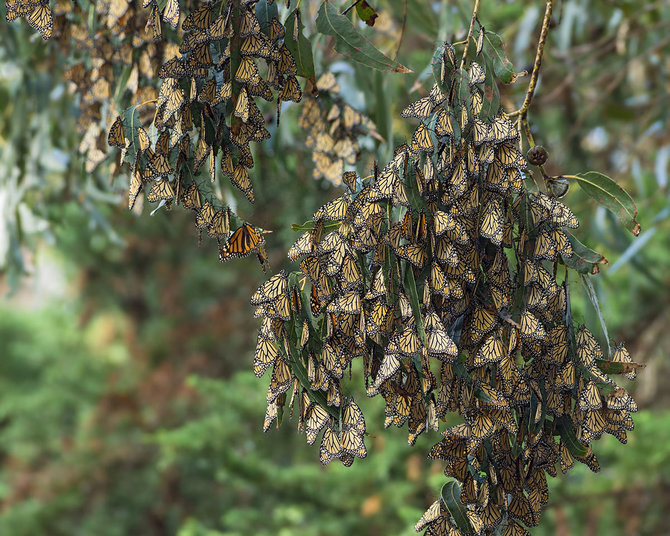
119, 42
444, 276
207, 116
333, 128
205, 111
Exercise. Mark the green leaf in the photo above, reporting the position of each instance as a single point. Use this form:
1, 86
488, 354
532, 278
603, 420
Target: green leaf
495, 50
566, 429
351, 43
610, 195
491, 94
366, 12
583, 259
616, 367
593, 297
300, 49
451, 496
265, 12
410, 285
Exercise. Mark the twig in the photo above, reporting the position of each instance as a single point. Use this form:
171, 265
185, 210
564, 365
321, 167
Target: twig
475, 10
402, 29
538, 61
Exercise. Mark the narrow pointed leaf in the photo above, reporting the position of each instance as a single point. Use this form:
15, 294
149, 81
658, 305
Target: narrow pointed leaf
451, 495
610, 195
495, 50
300, 49
583, 259
349, 42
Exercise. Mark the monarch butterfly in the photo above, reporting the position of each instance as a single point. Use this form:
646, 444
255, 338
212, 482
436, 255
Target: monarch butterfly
349, 303
566, 378
491, 515
563, 245
352, 418
440, 344
302, 246
458, 180
204, 215
291, 90
491, 351
559, 344
562, 215
255, 45
315, 419
265, 356
512, 528
271, 289
240, 179
154, 23
621, 355
202, 150
249, 24
545, 247
220, 27
171, 13
530, 326
421, 140
589, 398
270, 415
376, 319
443, 125
276, 29
508, 154
481, 132
350, 179
463, 120
208, 92
476, 74
501, 130
420, 109
200, 19
331, 447
199, 60
243, 242
414, 253
333, 361
281, 379
492, 221
40, 19
116, 137
219, 225
496, 179
247, 70
161, 190
134, 189
520, 508
260, 89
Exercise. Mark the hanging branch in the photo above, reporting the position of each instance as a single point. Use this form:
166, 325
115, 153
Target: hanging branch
538, 62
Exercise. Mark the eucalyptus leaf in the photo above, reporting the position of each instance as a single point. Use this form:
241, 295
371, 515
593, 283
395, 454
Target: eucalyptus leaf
451, 496
611, 196
349, 42
300, 49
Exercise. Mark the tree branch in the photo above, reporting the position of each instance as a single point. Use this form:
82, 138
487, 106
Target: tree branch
475, 10
538, 62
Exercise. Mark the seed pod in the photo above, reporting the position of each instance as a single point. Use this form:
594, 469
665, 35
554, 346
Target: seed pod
537, 155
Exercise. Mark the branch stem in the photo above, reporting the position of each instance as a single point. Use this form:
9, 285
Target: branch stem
475, 11
538, 62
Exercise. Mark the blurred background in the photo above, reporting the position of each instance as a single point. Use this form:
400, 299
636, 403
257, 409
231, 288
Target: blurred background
127, 400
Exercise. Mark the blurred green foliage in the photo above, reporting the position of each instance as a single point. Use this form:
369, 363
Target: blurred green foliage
127, 400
